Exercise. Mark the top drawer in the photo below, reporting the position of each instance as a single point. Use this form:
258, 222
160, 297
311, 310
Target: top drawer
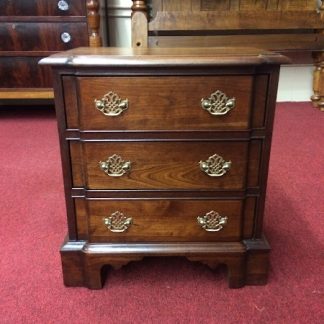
42, 8
164, 103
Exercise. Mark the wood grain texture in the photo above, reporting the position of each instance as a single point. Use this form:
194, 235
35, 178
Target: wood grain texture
292, 27
29, 36
25, 93
233, 20
41, 8
165, 190
283, 42
31, 30
166, 165
23, 72
83, 263
172, 103
164, 220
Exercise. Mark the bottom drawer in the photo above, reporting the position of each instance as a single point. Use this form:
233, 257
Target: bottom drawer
24, 72
164, 220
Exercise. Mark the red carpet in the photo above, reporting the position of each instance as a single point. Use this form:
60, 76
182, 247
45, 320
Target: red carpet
32, 227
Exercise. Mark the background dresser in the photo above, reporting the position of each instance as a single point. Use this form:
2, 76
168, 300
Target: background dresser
32, 29
294, 28
165, 152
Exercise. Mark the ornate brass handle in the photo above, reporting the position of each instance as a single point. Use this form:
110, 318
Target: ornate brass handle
115, 166
218, 103
117, 222
215, 166
111, 105
212, 221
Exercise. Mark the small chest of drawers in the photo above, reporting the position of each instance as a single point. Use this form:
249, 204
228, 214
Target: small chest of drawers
165, 153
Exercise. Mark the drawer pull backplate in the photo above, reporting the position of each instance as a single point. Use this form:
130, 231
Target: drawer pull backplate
111, 104
117, 222
215, 166
218, 103
115, 166
212, 221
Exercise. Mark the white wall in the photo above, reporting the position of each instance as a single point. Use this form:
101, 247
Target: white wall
295, 82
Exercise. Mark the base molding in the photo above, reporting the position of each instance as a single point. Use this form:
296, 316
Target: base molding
83, 263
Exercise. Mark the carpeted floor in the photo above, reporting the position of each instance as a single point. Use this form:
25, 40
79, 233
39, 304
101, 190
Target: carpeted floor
32, 227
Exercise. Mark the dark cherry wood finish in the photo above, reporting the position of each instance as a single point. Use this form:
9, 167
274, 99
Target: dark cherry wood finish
41, 8
174, 103
165, 190
33, 29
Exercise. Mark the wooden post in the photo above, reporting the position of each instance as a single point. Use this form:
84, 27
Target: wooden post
318, 81
93, 16
139, 24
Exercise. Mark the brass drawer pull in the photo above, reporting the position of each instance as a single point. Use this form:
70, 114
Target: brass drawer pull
215, 166
218, 103
115, 166
117, 222
212, 221
111, 105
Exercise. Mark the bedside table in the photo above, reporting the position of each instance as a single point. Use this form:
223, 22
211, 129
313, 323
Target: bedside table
165, 153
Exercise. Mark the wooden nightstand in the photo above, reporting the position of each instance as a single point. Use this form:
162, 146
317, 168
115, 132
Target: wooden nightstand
165, 152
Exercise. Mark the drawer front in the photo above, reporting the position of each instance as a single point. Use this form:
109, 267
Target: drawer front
24, 72
42, 8
164, 165
166, 102
42, 36
164, 220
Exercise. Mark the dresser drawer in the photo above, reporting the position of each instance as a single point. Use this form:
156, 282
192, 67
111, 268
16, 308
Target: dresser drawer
42, 8
160, 165
23, 72
164, 220
165, 102
25, 36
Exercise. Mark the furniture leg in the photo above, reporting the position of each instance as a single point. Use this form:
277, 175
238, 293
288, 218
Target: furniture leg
318, 81
93, 17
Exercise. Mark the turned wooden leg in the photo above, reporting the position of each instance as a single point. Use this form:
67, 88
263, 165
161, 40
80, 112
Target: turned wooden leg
139, 23
93, 16
318, 81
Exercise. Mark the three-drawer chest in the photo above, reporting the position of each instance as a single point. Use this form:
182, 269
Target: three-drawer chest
165, 152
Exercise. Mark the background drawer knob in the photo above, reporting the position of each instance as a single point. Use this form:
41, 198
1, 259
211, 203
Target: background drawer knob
66, 37
212, 221
63, 5
215, 166
115, 166
218, 103
111, 104
117, 222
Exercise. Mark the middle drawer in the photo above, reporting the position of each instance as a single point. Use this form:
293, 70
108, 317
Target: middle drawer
159, 165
